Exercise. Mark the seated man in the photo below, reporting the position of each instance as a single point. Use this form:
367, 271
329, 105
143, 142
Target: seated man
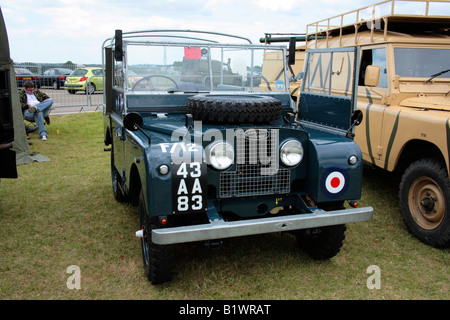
36, 106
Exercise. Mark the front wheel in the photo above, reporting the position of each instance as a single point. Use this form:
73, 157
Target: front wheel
322, 243
157, 259
425, 200
325, 242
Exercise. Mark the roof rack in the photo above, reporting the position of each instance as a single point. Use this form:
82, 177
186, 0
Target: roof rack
429, 15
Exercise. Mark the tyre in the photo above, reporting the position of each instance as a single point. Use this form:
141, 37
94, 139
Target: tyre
157, 259
115, 180
55, 85
234, 109
115, 177
325, 242
90, 88
424, 196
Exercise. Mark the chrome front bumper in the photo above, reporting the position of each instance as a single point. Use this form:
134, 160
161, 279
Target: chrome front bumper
219, 229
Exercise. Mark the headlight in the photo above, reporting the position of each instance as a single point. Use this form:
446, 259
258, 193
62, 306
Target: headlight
291, 153
220, 155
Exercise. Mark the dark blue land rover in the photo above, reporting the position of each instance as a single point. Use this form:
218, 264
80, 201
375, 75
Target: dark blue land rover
208, 160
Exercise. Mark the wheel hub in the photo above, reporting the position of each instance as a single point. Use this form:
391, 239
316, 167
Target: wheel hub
427, 203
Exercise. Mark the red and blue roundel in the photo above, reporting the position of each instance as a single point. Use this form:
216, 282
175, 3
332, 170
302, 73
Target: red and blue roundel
334, 182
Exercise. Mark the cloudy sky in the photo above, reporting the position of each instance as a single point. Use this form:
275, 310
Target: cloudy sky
56, 31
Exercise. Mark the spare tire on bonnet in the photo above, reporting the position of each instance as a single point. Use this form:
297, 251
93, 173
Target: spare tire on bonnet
233, 108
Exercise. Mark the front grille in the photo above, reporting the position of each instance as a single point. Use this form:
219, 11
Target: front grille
235, 184
257, 171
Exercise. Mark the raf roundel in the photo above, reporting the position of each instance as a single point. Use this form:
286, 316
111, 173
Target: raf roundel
334, 182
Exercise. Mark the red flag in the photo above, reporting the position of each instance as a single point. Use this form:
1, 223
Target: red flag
192, 53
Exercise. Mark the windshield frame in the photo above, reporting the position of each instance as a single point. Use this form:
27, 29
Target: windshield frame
168, 41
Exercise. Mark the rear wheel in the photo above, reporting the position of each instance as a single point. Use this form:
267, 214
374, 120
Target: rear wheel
424, 200
325, 242
90, 88
157, 259
115, 180
115, 177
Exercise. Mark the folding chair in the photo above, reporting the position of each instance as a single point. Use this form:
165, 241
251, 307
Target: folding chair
30, 127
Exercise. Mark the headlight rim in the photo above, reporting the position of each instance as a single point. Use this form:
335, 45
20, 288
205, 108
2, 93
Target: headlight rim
283, 145
211, 147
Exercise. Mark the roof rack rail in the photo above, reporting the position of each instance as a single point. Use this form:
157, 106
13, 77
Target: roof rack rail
282, 37
376, 17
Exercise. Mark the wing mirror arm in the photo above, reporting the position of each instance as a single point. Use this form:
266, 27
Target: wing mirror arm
356, 120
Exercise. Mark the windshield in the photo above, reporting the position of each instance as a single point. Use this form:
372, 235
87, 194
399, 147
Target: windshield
78, 73
22, 71
173, 67
421, 63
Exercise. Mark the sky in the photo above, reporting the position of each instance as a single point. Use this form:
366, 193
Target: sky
57, 31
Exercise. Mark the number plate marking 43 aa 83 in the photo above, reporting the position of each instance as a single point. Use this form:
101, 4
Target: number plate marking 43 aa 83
189, 187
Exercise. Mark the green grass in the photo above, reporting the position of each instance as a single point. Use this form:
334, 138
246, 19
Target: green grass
62, 213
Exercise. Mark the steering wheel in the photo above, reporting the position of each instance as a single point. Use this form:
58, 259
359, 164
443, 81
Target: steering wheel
151, 84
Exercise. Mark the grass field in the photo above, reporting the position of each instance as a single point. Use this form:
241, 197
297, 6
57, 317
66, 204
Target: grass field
62, 213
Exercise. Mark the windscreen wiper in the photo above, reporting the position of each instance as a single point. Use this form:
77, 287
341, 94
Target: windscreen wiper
437, 75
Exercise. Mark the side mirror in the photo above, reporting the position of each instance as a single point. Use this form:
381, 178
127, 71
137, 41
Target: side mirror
372, 76
357, 117
118, 50
133, 122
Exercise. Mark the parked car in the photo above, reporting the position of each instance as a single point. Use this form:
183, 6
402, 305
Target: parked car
88, 80
200, 71
54, 77
267, 170
133, 78
256, 79
23, 75
404, 84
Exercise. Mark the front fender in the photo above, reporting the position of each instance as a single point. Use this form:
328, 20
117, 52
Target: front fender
331, 177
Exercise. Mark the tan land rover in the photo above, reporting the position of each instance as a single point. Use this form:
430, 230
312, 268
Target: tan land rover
404, 95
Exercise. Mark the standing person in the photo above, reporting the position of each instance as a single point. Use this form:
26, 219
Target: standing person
36, 106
